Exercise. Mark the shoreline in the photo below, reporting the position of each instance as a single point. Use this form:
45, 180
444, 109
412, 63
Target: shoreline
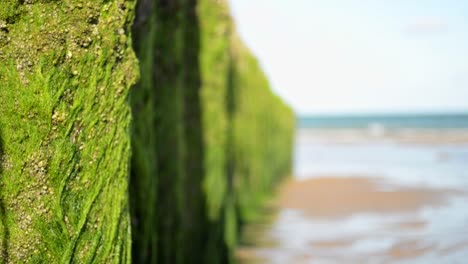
331, 197
418, 136
314, 214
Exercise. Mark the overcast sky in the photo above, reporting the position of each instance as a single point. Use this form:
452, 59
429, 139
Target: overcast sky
333, 56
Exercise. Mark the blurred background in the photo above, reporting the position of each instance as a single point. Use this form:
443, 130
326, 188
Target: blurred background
380, 93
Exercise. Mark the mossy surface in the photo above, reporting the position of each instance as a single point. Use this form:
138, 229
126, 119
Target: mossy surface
248, 130
158, 167
144, 168
263, 134
66, 68
168, 135
208, 139
216, 93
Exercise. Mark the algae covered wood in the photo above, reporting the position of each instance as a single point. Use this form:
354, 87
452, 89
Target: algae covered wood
158, 142
207, 140
168, 202
210, 139
65, 70
263, 129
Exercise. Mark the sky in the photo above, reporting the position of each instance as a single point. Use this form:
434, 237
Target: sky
360, 56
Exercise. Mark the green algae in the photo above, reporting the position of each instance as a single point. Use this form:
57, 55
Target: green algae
208, 140
205, 153
248, 129
263, 135
167, 134
66, 69
158, 170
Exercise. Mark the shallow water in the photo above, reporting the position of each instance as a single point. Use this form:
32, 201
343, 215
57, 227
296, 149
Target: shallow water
413, 210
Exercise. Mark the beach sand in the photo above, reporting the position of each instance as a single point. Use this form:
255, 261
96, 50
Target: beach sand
332, 199
399, 196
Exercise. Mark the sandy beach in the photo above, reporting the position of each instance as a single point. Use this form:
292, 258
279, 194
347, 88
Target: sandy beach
395, 198
332, 199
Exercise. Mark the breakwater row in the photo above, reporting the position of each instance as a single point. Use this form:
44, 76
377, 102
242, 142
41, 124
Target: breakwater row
132, 131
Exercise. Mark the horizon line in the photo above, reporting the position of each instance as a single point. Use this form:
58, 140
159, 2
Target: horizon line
383, 113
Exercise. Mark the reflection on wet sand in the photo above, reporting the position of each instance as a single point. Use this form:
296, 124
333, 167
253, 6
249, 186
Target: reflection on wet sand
363, 220
341, 197
397, 198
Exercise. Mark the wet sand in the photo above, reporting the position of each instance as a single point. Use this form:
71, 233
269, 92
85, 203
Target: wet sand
400, 196
330, 197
